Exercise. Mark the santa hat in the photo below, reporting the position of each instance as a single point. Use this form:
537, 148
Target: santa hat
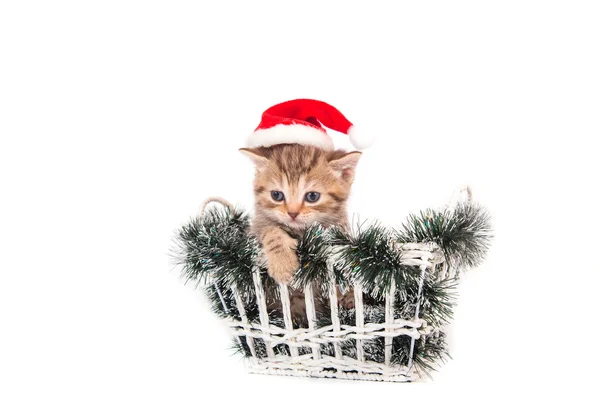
301, 121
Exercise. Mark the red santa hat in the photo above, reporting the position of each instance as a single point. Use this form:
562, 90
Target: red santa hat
301, 121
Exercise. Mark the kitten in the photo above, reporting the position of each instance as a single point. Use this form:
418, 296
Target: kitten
296, 186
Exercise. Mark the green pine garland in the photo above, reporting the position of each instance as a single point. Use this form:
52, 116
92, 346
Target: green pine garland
463, 233
215, 251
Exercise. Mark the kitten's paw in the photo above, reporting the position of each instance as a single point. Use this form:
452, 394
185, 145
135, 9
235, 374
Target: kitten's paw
346, 300
297, 307
282, 267
283, 263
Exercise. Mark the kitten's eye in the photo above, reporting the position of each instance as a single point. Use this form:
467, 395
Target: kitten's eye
311, 197
277, 196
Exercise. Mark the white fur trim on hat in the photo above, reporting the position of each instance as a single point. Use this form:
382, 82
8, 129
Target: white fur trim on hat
295, 133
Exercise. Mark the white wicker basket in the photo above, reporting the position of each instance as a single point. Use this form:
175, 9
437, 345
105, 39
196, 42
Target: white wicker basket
427, 257
316, 350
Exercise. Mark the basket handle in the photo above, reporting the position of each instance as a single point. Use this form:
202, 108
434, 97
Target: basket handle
215, 199
463, 193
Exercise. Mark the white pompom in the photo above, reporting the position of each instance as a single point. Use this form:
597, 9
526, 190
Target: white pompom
359, 140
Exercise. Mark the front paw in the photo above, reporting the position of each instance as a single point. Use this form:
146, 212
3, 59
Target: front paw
346, 300
283, 264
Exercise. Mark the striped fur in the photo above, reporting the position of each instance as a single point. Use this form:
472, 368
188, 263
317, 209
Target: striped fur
296, 170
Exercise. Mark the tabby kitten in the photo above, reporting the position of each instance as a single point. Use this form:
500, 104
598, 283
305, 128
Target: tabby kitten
296, 186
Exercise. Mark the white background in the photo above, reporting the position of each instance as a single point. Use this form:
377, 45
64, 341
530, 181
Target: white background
117, 118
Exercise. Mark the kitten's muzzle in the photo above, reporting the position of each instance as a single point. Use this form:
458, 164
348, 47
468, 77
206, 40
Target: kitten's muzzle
293, 215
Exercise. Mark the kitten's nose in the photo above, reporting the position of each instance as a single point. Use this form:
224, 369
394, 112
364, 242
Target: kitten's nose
293, 215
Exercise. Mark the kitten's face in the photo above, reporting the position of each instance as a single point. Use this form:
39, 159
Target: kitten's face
298, 185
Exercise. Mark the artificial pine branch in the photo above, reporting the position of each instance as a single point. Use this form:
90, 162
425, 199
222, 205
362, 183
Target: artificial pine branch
217, 251
464, 233
217, 246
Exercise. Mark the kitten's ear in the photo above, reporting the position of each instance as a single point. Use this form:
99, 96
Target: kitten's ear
257, 158
344, 167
